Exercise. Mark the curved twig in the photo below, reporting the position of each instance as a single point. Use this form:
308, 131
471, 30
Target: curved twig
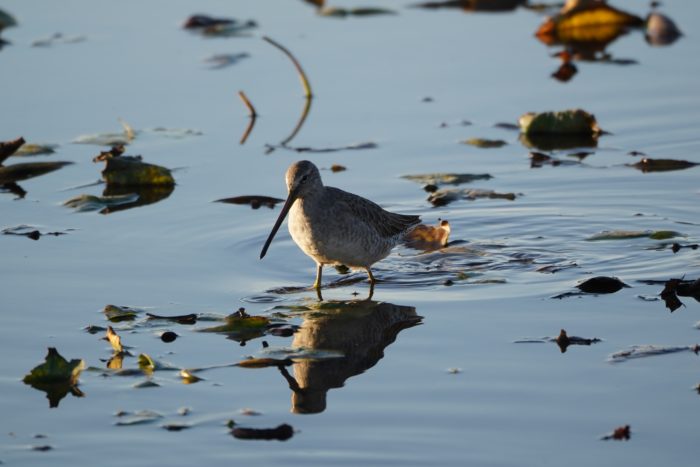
297, 65
252, 113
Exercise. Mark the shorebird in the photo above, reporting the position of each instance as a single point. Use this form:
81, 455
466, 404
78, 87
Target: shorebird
333, 226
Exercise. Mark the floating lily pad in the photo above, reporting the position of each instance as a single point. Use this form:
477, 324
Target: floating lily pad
566, 122
118, 314
26, 170
485, 143
131, 170
56, 377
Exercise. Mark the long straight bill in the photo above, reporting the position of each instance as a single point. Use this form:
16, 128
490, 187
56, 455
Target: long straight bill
285, 209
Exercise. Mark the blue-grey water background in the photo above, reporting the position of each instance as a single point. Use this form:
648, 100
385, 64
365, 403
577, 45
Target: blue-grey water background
507, 404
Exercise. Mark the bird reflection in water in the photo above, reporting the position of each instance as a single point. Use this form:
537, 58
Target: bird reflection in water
358, 330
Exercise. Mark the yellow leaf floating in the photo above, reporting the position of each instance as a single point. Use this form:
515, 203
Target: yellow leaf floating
586, 22
264, 362
114, 340
131, 170
565, 122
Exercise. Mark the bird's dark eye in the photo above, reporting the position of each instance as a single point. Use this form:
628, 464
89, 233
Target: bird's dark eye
303, 179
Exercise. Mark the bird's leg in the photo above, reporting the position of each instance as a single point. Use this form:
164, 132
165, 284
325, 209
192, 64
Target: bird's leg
319, 271
372, 281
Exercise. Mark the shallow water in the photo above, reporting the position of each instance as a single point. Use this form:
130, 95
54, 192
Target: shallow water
391, 399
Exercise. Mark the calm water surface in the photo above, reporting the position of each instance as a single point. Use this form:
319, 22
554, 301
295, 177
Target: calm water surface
373, 385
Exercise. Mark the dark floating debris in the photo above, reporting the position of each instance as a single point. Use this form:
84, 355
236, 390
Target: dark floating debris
218, 27
621, 433
669, 295
676, 247
29, 232
596, 285
360, 11
473, 5
168, 337
255, 201
507, 126
446, 178
56, 377
563, 340
180, 319
647, 164
282, 433
539, 159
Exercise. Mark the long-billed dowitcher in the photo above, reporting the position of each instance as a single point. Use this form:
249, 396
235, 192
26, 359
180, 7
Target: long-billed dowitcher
333, 226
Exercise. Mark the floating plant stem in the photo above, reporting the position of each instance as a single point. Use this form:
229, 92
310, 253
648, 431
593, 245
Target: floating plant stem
252, 113
297, 65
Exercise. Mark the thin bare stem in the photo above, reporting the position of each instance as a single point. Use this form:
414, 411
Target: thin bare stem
297, 65
248, 104
251, 112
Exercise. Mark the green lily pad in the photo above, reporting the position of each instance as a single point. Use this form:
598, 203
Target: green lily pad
130, 170
117, 314
485, 143
566, 122
55, 369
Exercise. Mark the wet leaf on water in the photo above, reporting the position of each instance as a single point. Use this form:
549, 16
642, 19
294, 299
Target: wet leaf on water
93, 329
281, 433
344, 12
676, 247
240, 322
8, 148
188, 377
131, 170
145, 195
34, 149
601, 285
56, 377
632, 234
642, 351
335, 168
669, 295
473, 5
114, 340
446, 178
116, 362
563, 340
586, 22
55, 369
88, 203
264, 362
428, 238
142, 417
26, 170
176, 426
565, 122
146, 363
661, 30
104, 139
647, 164
255, 201
621, 433
146, 384
180, 319
485, 143
445, 196
118, 314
